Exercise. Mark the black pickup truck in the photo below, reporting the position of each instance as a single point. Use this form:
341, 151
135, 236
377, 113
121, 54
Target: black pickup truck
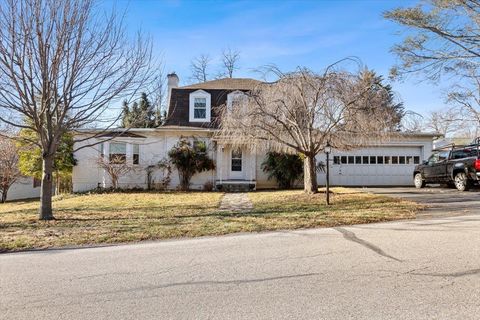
458, 166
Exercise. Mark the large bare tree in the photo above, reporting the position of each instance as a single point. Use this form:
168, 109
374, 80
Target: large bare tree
63, 63
443, 40
303, 111
9, 171
199, 67
230, 60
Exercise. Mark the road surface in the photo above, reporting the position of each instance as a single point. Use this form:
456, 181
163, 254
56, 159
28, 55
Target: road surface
422, 269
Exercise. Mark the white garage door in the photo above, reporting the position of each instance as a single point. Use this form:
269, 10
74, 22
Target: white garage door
381, 166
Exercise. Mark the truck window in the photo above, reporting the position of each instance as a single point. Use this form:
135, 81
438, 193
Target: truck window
443, 155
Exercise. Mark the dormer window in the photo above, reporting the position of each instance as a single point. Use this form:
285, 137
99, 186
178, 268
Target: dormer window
200, 106
235, 99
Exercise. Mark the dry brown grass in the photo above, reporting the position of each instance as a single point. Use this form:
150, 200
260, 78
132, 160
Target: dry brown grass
130, 217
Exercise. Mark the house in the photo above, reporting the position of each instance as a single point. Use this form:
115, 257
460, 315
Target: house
193, 113
24, 188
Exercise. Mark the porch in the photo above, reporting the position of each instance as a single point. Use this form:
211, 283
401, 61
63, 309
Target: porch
236, 168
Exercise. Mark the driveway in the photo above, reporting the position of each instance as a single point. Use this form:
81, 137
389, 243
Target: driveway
440, 202
419, 269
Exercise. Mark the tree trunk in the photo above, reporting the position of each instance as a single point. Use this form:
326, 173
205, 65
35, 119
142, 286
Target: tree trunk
4, 196
310, 174
46, 212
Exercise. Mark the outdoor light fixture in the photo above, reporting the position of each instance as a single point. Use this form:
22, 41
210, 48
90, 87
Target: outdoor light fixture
327, 150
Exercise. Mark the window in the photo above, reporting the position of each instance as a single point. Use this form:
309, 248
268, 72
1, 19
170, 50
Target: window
358, 160
416, 160
118, 152
373, 160
351, 160
237, 160
401, 160
388, 160
136, 154
344, 159
200, 106
365, 160
433, 158
394, 160
380, 159
336, 160
409, 160
102, 150
235, 99
442, 156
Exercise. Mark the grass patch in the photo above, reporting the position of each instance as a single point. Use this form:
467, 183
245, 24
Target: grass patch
130, 217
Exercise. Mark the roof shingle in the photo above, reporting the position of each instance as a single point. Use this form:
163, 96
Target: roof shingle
226, 84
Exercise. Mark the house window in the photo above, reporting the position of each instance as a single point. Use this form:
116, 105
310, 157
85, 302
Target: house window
388, 160
401, 160
358, 160
118, 152
235, 99
351, 160
336, 160
237, 160
343, 159
102, 150
200, 106
373, 160
365, 159
380, 159
409, 160
136, 154
394, 160
416, 160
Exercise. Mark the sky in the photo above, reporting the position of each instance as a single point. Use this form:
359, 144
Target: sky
287, 34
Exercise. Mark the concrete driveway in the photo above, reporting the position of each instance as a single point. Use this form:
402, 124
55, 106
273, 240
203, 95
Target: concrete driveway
419, 269
440, 202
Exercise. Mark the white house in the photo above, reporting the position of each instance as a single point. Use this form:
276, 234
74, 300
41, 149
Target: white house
24, 188
192, 114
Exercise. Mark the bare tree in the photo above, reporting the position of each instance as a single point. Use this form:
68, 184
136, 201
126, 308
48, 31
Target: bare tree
230, 60
443, 40
62, 64
199, 68
302, 112
413, 122
445, 122
9, 171
115, 166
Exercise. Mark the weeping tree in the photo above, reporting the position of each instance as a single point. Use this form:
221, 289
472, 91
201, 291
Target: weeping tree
190, 158
63, 63
303, 111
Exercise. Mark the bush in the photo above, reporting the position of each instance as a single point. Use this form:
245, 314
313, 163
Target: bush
190, 159
284, 168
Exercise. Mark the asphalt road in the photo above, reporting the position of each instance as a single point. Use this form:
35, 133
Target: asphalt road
440, 202
421, 269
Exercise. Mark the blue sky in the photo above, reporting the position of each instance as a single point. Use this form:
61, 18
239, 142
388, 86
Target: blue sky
285, 33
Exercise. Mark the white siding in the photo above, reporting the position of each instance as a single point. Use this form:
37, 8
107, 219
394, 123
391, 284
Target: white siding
23, 189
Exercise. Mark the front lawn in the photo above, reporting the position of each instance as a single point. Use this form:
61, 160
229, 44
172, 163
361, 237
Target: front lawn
130, 217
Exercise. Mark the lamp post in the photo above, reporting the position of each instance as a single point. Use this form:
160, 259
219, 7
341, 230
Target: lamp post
327, 150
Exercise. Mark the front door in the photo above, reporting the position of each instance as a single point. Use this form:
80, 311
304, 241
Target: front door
236, 164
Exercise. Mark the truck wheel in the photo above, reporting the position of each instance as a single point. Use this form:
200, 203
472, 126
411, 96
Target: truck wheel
461, 181
418, 181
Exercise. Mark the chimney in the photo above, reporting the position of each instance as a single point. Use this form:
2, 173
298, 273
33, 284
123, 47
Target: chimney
172, 82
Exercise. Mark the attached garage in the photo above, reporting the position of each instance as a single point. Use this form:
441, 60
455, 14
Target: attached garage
387, 164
